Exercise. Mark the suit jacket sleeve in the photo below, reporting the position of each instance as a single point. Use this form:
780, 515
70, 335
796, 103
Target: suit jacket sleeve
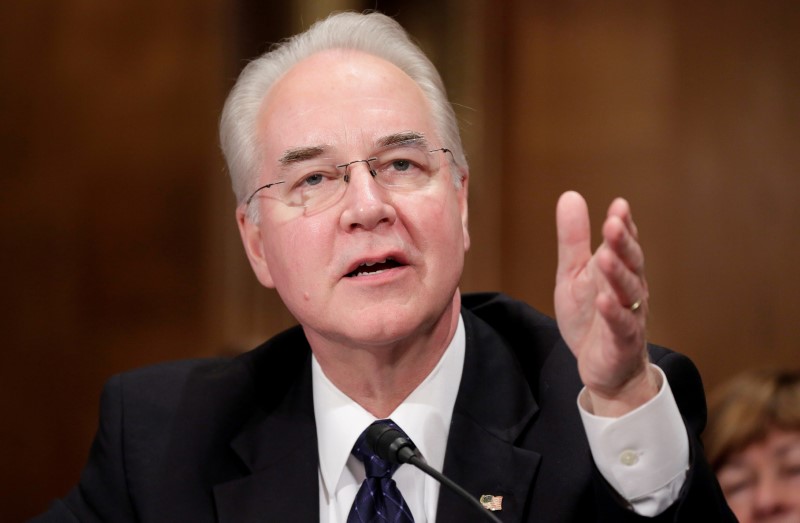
102, 493
533, 410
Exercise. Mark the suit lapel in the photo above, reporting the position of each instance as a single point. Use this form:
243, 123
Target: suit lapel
278, 447
490, 414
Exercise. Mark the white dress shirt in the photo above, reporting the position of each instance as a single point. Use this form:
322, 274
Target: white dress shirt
644, 455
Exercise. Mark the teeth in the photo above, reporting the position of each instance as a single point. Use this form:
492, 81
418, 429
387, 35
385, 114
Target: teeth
370, 264
366, 265
365, 273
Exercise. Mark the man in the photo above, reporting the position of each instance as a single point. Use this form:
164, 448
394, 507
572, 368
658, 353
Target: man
352, 188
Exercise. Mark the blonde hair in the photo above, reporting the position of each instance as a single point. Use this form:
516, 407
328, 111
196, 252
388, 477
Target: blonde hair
743, 411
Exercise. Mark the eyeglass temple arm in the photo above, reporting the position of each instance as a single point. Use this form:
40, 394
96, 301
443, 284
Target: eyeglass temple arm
267, 186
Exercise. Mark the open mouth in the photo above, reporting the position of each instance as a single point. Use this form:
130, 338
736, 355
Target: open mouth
367, 268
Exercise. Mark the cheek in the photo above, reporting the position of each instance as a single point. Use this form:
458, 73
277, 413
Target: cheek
295, 252
448, 219
435, 223
741, 504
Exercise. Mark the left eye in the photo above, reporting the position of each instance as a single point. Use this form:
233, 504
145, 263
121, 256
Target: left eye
314, 179
401, 165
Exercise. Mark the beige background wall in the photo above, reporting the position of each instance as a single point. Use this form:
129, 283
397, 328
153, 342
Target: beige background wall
118, 242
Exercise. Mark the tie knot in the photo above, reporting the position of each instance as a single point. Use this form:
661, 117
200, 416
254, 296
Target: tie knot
374, 465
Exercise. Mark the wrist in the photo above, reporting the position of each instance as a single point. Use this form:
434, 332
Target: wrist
635, 393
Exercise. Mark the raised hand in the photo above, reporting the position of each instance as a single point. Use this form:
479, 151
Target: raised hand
601, 305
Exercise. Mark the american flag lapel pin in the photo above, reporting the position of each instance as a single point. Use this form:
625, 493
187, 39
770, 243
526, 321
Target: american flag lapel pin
491, 502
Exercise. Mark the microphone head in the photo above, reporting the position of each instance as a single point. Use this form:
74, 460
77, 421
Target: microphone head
389, 443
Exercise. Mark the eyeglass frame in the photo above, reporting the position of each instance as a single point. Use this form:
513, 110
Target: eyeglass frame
345, 177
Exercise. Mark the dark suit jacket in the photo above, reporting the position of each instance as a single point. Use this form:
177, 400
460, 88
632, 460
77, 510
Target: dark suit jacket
235, 440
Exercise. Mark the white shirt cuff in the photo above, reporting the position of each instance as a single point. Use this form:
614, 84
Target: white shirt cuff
644, 454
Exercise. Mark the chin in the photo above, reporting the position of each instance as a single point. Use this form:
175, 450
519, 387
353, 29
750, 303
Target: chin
379, 331
389, 326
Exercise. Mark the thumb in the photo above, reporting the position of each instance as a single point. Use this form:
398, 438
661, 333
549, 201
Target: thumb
574, 236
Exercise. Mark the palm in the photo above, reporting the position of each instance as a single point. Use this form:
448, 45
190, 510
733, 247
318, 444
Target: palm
593, 294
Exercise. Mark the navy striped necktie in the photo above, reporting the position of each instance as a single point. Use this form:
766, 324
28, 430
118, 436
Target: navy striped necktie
378, 499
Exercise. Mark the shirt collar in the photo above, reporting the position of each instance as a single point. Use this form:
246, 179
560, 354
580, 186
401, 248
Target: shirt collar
424, 415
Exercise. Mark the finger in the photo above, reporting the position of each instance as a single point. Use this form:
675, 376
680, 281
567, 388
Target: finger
623, 285
622, 209
574, 237
625, 327
618, 237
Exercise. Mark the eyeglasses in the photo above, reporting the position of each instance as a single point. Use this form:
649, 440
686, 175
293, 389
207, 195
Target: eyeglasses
316, 184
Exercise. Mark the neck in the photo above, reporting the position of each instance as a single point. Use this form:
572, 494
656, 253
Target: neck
380, 377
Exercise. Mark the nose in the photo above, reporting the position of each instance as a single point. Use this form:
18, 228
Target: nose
366, 204
770, 497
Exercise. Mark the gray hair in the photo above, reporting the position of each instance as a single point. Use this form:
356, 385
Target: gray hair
372, 33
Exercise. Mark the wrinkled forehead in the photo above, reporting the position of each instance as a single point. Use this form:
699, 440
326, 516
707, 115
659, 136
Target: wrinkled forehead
346, 101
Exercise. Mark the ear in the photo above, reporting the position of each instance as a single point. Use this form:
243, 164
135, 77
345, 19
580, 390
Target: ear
252, 238
463, 192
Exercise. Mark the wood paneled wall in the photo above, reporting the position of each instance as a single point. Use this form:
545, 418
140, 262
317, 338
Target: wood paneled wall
109, 140
119, 246
693, 114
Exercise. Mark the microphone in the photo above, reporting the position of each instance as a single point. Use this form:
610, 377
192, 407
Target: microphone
392, 446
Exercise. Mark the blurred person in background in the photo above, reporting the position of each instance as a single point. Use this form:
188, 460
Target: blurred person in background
753, 444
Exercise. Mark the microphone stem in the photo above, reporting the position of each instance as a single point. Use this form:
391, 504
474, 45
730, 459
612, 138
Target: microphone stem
441, 478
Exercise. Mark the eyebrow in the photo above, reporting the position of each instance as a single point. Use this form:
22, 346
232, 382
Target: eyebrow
309, 152
301, 154
788, 447
403, 138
